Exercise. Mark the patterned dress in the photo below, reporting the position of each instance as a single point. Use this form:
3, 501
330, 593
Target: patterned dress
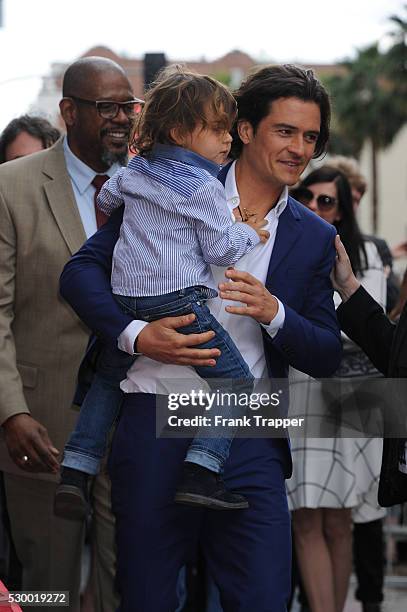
338, 472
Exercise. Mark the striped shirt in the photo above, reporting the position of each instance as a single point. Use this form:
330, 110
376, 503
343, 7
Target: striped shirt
176, 223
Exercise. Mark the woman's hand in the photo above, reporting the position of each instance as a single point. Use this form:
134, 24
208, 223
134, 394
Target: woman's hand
343, 279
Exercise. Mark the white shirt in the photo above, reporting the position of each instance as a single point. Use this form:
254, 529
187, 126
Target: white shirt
81, 177
245, 331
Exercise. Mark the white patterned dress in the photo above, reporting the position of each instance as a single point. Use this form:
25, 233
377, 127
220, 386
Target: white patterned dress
337, 472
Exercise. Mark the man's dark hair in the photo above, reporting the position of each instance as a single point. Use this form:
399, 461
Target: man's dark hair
256, 94
37, 127
183, 100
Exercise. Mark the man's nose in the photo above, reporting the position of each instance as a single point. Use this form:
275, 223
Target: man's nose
121, 117
296, 145
228, 138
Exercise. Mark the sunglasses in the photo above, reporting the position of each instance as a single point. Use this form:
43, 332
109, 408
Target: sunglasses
107, 109
305, 196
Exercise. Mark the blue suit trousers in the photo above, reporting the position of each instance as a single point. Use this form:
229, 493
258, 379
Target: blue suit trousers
248, 552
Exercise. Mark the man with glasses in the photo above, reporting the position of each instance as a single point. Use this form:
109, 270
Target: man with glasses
47, 206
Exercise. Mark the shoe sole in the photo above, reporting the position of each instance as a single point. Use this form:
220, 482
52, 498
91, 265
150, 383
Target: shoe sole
192, 499
69, 503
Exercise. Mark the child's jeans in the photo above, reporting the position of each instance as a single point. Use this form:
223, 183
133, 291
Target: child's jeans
87, 443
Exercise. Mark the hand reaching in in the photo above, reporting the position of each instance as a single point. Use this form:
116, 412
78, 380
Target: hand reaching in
343, 279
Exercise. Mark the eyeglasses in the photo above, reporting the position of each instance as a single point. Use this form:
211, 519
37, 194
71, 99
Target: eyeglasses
108, 109
305, 196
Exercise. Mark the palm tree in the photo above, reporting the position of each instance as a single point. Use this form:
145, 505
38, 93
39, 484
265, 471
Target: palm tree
369, 100
395, 60
397, 54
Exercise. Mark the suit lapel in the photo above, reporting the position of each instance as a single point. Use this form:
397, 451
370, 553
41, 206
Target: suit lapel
288, 232
61, 199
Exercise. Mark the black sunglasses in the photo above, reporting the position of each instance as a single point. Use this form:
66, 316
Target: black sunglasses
108, 109
305, 196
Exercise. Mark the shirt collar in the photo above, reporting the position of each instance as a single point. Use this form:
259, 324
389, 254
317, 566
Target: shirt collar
81, 174
233, 198
187, 157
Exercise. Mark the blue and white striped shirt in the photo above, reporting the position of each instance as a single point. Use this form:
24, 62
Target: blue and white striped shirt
176, 222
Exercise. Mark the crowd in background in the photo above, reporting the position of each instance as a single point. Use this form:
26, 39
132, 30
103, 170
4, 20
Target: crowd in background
333, 491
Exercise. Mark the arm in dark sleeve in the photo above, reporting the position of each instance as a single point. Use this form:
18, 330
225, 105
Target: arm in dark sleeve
85, 283
364, 321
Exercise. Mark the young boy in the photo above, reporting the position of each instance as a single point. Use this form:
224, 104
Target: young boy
176, 222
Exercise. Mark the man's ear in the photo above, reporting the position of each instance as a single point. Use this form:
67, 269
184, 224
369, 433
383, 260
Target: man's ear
245, 131
68, 111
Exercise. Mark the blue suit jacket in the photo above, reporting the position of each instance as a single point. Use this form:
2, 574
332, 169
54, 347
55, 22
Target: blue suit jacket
298, 274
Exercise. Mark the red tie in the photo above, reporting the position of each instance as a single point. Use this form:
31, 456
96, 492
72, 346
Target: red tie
98, 183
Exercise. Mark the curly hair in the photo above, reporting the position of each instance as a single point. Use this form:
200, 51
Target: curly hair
182, 100
350, 168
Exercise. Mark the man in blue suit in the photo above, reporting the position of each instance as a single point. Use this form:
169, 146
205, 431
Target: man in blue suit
278, 308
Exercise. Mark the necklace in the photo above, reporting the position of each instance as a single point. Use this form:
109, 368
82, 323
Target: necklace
246, 214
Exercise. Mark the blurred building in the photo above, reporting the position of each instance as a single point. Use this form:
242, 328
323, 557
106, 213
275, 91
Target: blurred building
230, 69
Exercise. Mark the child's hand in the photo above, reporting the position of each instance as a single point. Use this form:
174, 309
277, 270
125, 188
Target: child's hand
257, 224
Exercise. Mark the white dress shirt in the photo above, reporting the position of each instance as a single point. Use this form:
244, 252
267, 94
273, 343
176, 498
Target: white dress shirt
81, 177
244, 330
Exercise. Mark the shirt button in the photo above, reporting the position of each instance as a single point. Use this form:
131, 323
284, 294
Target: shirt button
235, 200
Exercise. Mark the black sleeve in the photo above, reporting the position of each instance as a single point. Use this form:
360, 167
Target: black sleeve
364, 321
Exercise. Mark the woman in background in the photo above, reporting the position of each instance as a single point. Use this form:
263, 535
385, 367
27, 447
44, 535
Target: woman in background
335, 479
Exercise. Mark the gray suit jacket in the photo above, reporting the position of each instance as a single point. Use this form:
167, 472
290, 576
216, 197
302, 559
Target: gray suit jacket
41, 339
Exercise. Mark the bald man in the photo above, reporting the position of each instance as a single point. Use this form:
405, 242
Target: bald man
47, 211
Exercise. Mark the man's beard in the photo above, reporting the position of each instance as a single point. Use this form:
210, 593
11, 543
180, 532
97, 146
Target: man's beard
112, 157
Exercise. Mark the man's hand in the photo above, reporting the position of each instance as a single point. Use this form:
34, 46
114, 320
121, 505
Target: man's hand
342, 275
29, 445
243, 287
160, 340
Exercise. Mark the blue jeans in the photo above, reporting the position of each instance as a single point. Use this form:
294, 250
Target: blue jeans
87, 444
